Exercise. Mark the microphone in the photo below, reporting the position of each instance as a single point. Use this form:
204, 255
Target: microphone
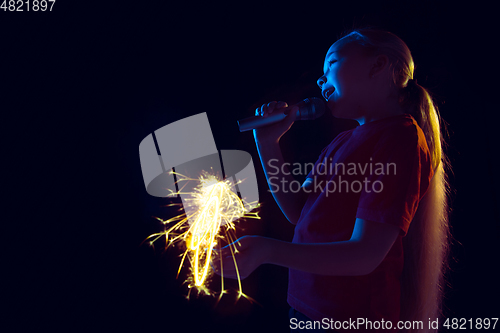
310, 108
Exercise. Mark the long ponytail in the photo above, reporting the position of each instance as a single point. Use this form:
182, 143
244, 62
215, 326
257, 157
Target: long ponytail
427, 243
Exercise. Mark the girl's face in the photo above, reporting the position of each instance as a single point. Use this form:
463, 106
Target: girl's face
346, 84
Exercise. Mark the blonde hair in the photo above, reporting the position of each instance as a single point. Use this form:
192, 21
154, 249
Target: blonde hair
427, 243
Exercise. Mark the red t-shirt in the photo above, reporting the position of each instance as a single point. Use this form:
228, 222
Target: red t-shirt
378, 172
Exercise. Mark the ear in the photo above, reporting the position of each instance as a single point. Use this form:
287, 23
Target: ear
380, 63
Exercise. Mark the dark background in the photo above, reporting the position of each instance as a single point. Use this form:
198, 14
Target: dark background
84, 84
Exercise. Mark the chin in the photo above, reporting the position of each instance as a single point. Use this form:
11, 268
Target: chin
336, 110
341, 110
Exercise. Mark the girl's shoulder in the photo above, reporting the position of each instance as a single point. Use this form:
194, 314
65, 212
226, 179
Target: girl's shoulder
397, 128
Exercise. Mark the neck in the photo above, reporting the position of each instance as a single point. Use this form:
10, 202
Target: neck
389, 108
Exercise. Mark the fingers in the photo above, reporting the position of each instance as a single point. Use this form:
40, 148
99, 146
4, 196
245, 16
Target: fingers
228, 269
224, 252
292, 113
281, 105
267, 109
224, 265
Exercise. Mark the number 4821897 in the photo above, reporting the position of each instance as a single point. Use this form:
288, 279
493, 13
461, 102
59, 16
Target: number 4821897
27, 5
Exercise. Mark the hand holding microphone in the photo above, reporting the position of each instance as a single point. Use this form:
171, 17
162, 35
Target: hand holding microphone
266, 115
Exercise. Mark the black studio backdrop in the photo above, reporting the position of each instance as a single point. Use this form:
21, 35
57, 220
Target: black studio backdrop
85, 83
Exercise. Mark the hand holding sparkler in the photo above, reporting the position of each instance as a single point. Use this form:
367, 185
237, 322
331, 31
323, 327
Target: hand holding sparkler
239, 259
217, 189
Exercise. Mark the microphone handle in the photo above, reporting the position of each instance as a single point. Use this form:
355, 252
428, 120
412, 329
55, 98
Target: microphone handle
250, 123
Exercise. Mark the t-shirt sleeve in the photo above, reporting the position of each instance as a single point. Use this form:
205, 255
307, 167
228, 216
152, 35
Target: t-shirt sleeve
399, 178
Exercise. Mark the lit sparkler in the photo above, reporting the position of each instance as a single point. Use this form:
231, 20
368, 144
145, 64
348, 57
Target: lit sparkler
216, 207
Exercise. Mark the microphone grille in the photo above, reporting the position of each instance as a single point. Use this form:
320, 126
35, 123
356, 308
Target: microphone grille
313, 108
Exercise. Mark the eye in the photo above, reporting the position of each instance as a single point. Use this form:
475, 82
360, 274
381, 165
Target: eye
331, 62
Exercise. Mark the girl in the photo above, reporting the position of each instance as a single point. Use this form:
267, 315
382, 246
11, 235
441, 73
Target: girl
371, 231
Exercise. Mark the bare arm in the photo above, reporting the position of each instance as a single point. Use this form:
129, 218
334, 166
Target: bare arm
277, 173
368, 246
279, 182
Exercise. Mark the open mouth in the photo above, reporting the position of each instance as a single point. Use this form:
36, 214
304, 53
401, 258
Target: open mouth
327, 93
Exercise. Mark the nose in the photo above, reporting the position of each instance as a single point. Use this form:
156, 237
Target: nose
321, 81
